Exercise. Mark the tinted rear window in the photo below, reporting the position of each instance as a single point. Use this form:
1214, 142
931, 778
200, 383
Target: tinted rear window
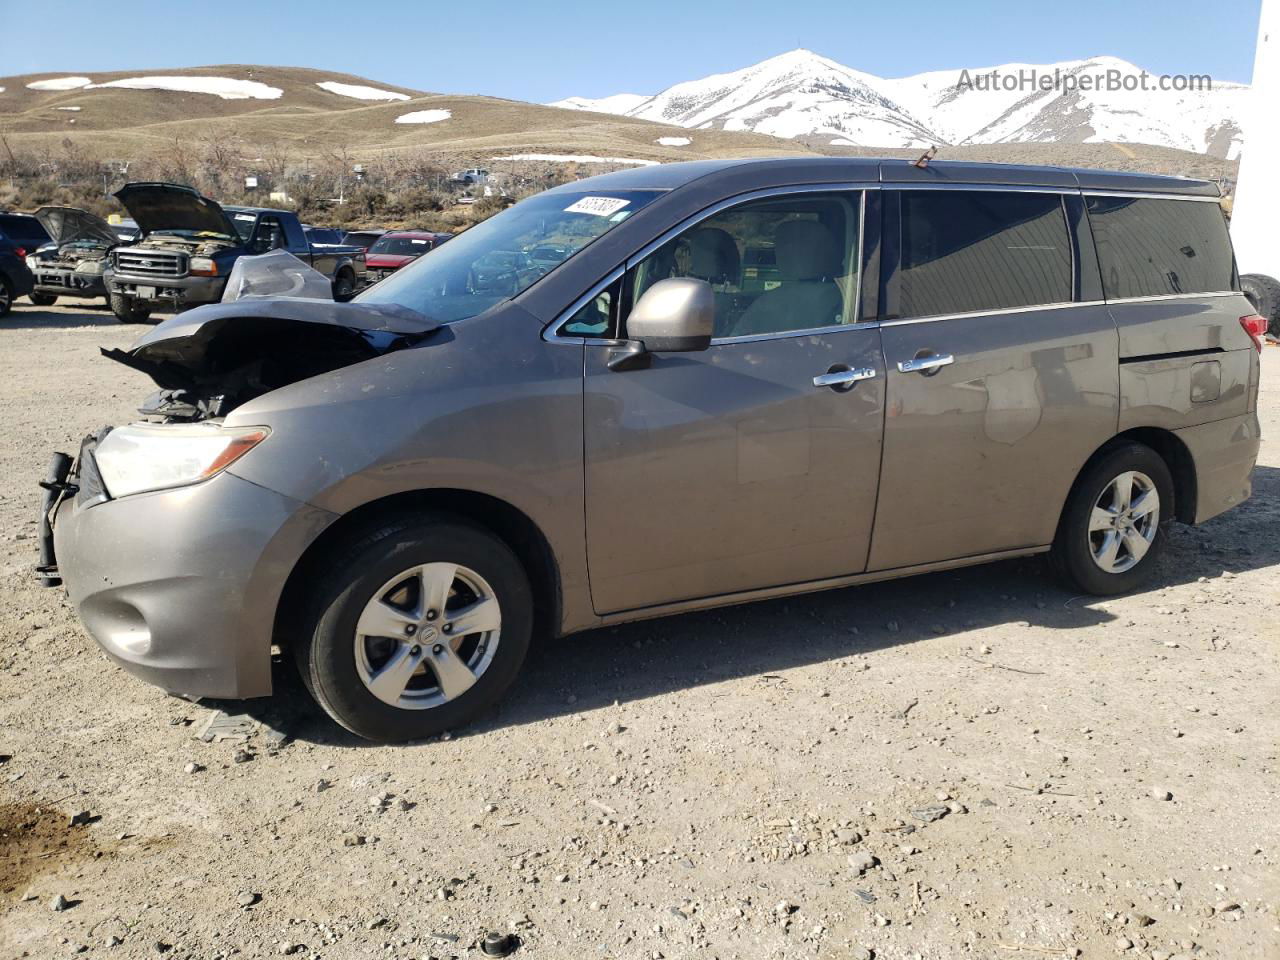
21, 228
965, 251
1150, 248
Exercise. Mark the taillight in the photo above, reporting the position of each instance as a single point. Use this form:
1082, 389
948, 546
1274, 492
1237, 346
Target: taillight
1255, 326
20, 251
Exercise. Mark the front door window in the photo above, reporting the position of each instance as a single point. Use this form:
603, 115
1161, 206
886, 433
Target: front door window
777, 265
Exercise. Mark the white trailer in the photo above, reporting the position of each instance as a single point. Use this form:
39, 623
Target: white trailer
1255, 217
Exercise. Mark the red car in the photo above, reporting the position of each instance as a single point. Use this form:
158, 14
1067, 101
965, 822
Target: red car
392, 251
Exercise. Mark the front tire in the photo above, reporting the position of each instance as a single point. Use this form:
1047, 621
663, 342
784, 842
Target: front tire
414, 626
127, 310
42, 299
1114, 527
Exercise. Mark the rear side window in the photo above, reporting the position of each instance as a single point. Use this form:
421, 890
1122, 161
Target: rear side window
1151, 247
973, 250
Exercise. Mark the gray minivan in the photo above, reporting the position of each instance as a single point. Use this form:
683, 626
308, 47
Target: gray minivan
742, 379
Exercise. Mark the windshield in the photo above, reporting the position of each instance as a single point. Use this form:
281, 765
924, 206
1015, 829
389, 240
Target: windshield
492, 261
242, 220
401, 246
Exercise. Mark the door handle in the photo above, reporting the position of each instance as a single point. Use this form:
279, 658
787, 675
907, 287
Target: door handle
931, 361
842, 378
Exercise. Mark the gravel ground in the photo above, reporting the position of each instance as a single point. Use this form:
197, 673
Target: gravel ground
969, 764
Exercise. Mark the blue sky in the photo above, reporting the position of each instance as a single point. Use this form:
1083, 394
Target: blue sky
543, 50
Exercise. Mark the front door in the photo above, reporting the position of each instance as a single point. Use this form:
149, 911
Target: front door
729, 469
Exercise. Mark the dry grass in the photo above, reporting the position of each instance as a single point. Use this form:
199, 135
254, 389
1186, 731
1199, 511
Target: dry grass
311, 122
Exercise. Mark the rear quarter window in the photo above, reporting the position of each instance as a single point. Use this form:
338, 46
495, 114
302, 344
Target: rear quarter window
965, 251
1156, 247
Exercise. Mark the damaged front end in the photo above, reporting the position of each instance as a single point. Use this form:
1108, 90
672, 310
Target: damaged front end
206, 363
211, 360
73, 264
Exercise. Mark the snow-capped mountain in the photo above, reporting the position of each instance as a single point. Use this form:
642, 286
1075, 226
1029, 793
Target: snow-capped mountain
803, 94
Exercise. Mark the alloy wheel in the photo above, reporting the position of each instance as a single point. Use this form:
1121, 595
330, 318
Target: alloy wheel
1124, 522
427, 635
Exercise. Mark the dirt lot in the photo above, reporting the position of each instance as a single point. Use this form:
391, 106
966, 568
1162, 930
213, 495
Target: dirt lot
704, 786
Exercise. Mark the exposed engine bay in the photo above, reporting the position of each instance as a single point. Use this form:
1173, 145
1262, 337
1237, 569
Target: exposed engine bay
195, 246
70, 256
213, 359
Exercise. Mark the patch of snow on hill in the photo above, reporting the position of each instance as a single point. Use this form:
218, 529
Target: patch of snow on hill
59, 83
73, 109
224, 87
577, 158
358, 92
424, 116
618, 103
674, 141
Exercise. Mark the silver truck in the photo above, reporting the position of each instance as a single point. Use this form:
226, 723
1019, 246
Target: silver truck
189, 243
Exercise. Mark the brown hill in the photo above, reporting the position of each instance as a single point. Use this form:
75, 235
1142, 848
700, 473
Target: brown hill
307, 121
311, 121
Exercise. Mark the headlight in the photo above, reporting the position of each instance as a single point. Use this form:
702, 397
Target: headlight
145, 456
89, 266
32, 263
203, 267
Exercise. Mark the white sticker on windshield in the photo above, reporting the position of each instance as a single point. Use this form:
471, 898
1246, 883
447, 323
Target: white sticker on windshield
246, 216
597, 206
418, 241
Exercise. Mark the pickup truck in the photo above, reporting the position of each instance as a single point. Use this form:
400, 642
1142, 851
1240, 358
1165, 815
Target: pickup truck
188, 244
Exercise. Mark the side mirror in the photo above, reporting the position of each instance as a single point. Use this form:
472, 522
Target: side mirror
674, 315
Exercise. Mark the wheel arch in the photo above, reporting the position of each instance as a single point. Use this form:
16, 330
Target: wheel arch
1175, 455
507, 522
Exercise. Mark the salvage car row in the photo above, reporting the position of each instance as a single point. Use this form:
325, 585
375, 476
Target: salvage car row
177, 251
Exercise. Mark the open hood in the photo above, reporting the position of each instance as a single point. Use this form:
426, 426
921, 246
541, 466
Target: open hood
71, 224
210, 360
171, 206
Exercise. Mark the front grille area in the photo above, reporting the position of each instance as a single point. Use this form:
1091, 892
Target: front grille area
151, 263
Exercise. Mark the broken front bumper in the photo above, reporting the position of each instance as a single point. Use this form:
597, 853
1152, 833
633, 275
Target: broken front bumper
180, 587
69, 283
179, 291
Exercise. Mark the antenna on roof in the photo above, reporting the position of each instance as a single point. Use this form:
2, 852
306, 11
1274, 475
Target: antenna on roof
923, 160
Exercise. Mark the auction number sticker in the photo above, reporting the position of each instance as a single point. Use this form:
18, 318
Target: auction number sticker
597, 206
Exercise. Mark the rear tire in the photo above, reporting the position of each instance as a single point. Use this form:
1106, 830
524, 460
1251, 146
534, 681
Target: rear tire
413, 677
1114, 527
344, 286
1264, 293
42, 299
127, 310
